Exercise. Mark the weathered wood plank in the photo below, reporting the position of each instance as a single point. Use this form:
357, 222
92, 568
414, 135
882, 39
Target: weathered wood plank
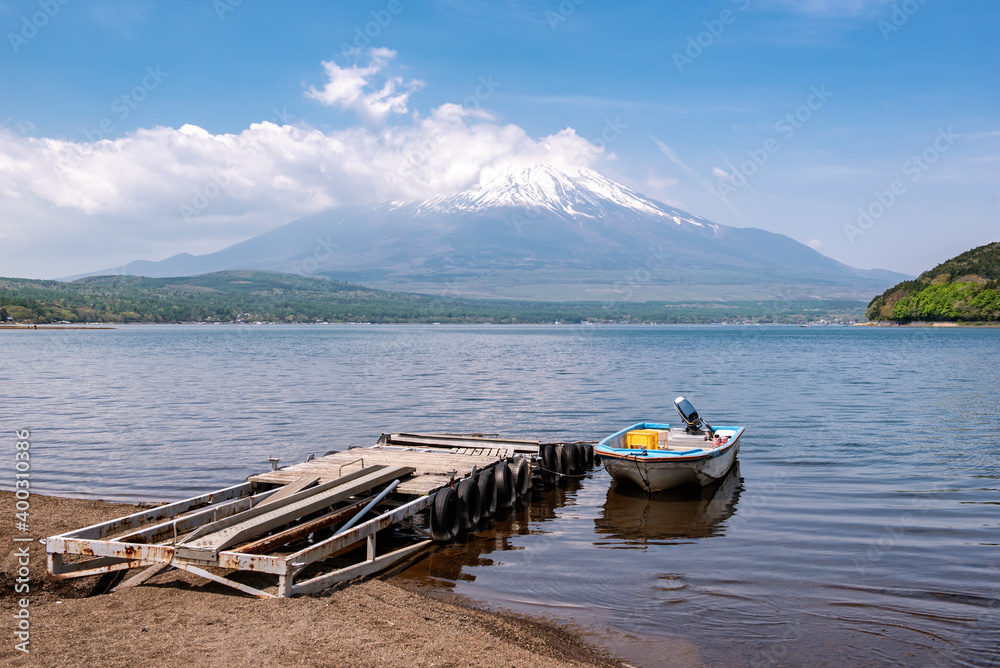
432, 470
187, 522
259, 509
447, 440
421, 460
301, 530
296, 485
255, 526
424, 484
159, 513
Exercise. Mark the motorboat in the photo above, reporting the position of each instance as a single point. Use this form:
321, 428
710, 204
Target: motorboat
656, 456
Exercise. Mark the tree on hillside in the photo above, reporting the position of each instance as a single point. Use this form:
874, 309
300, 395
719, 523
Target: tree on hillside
4, 317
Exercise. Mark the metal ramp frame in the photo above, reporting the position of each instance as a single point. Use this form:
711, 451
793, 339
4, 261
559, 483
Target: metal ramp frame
206, 530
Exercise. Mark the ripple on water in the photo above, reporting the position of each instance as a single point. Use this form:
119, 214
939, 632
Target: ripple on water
860, 527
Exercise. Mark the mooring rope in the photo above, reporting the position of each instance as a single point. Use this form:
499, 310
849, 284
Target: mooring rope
639, 470
565, 475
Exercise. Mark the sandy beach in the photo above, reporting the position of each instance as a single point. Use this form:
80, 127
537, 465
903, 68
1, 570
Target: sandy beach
178, 619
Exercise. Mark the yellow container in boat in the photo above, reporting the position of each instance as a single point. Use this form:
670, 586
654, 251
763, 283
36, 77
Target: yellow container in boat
642, 439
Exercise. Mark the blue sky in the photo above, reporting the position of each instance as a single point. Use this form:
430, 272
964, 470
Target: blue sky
140, 129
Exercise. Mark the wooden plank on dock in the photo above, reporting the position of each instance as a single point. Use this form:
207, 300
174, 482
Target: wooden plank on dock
331, 466
451, 440
300, 531
423, 484
296, 485
218, 524
232, 534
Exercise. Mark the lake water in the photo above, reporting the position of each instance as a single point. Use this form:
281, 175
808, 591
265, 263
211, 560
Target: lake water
862, 526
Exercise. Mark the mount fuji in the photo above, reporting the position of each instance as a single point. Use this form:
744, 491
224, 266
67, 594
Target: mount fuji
536, 231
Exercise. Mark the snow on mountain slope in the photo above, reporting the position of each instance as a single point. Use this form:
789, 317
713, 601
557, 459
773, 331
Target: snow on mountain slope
541, 187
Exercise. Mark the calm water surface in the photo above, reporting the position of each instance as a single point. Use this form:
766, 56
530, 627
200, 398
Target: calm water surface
861, 527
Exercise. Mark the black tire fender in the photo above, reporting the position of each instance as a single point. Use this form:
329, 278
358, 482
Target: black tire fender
469, 504
563, 467
550, 465
575, 458
522, 476
487, 495
444, 515
506, 492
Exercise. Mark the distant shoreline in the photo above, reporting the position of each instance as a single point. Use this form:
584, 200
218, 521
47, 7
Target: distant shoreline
963, 325
16, 327
565, 325
881, 323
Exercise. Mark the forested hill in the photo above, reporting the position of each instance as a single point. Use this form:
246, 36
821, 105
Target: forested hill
962, 289
252, 296
227, 296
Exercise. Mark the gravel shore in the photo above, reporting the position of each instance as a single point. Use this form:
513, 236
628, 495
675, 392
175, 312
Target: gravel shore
178, 619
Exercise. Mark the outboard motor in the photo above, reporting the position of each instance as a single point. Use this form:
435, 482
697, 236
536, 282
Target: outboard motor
691, 418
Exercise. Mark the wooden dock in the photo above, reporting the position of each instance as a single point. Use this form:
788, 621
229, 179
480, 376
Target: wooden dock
432, 470
314, 524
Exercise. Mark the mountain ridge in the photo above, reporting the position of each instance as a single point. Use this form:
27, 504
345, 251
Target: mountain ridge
533, 231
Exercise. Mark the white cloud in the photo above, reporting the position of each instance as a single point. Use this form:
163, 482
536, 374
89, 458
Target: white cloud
815, 244
291, 168
353, 88
721, 174
69, 207
659, 183
661, 188
694, 175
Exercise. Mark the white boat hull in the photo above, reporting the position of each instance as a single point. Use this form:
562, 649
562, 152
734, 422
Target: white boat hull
657, 474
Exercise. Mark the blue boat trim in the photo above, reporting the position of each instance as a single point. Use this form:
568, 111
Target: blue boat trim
635, 454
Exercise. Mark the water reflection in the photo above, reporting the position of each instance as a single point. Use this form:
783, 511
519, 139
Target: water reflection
840, 553
631, 518
448, 564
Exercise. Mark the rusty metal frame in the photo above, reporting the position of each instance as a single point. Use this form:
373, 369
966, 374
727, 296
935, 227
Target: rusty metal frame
367, 530
149, 538
160, 513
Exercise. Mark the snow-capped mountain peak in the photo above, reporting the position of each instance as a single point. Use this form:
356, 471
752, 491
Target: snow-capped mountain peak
532, 231
565, 192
